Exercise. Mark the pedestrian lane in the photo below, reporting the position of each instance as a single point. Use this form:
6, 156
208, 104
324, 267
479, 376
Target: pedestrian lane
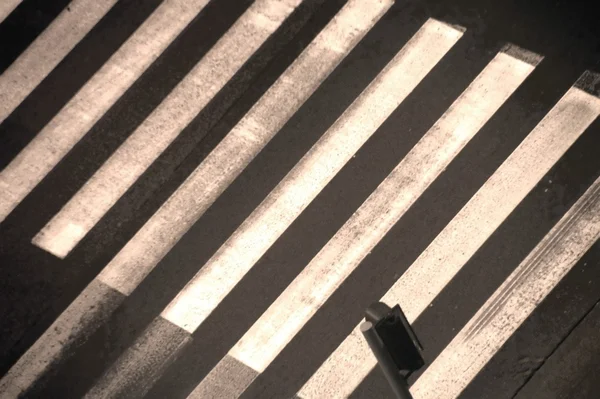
343, 122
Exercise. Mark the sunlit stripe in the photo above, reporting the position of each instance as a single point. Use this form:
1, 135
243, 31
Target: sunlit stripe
131, 265
516, 298
48, 49
384, 207
163, 230
138, 152
6, 7
302, 184
343, 371
213, 175
55, 140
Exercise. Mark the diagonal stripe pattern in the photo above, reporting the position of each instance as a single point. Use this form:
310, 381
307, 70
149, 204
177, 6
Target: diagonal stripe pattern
65, 130
48, 50
352, 243
140, 149
518, 296
469, 229
252, 353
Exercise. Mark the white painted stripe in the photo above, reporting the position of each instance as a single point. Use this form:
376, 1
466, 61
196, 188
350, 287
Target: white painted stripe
209, 180
81, 318
304, 182
384, 207
48, 49
6, 7
165, 123
141, 254
136, 370
55, 140
514, 301
347, 366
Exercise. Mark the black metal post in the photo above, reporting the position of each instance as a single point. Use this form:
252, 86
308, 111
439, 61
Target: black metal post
385, 361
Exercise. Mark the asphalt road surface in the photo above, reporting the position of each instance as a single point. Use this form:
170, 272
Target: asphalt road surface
200, 198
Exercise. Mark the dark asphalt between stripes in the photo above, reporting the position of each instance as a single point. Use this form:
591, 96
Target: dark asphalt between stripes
35, 286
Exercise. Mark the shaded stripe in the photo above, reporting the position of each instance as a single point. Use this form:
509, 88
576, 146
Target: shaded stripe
319, 219
326, 214
73, 326
93, 100
48, 50
258, 13
235, 314
132, 317
384, 207
314, 171
301, 79
141, 254
48, 283
469, 229
516, 298
6, 7
149, 140
164, 341
240, 376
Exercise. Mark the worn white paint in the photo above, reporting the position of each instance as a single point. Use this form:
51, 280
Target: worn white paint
384, 207
347, 366
141, 254
6, 7
47, 50
221, 167
514, 301
312, 173
74, 120
128, 269
359, 235
163, 125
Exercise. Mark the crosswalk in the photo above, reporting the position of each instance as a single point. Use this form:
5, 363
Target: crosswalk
143, 363
48, 50
143, 146
531, 281
93, 100
469, 229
